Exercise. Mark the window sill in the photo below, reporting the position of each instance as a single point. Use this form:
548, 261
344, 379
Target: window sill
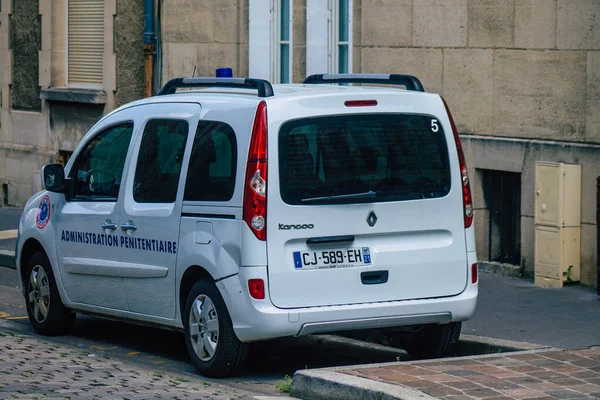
71, 95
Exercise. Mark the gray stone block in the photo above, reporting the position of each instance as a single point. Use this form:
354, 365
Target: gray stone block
386, 23
426, 64
472, 112
540, 73
440, 23
578, 24
535, 24
491, 23
468, 70
189, 22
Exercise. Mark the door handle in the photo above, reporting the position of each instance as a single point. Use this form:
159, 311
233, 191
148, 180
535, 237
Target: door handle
129, 227
330, 239
374, 277
108, 225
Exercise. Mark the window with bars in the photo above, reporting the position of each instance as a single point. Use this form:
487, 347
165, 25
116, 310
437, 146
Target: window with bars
85, 43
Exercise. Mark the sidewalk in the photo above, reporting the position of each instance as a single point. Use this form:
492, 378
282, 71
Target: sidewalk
564, 322
540, 374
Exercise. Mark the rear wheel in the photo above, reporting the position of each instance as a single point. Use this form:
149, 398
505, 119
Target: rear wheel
212, 344
433, 341
47, 314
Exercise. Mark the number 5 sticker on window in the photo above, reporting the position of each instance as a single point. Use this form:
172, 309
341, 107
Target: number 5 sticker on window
434, 125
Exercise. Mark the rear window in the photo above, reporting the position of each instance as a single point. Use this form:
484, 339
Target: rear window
362, 158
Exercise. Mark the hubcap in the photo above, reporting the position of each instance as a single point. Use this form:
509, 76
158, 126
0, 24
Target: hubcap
39, 293
204, 327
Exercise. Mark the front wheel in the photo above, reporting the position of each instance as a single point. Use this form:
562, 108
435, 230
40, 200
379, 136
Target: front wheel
211, 342
47, 314
433, 341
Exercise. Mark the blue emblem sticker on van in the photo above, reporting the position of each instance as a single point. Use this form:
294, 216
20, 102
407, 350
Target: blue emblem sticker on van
297, 260
43, 213
366, 255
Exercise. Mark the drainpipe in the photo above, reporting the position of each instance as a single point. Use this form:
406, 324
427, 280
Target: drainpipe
149, 46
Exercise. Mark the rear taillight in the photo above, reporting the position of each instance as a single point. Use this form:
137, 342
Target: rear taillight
255, 188
464, 177
256, 287
474, 276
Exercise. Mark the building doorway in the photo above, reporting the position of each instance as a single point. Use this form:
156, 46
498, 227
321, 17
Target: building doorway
502, 195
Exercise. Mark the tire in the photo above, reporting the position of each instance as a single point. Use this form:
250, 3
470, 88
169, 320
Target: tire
433, 341
214, 348
45, 309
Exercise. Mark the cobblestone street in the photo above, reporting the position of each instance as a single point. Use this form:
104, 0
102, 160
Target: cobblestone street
36, 368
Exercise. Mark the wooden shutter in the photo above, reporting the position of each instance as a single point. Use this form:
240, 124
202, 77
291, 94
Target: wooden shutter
86, 41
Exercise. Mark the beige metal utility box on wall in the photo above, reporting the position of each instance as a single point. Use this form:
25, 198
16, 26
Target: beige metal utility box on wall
557, 223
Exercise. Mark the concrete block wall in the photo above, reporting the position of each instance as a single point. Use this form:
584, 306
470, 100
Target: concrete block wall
519, 68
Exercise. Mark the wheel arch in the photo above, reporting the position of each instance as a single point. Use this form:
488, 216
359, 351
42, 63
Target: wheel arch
30, 247
192, 274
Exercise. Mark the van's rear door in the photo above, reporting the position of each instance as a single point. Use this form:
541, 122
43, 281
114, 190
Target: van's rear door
364, 208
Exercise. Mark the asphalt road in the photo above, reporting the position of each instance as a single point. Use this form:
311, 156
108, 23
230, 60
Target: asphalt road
9, 218
9, 222
515, 309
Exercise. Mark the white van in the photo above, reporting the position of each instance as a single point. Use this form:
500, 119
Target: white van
238, 211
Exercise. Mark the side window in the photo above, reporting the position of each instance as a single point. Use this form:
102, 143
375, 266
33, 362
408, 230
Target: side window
211, 173
159, 161
99, 166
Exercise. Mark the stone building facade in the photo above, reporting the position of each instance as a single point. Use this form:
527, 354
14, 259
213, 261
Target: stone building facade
522, 78
44, 113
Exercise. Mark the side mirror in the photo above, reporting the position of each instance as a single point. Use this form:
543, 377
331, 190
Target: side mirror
53, 178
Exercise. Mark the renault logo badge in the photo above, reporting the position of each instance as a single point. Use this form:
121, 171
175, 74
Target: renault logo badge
371, 219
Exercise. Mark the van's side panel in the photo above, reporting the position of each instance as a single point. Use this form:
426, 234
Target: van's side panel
211, 232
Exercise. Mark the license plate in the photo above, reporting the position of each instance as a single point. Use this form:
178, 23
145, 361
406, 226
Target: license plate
333, 258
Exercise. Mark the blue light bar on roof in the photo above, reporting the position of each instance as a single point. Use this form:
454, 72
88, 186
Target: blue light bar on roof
224, 73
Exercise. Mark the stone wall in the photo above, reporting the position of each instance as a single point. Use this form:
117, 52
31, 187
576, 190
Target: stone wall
25, 42
34, 58
205, 34
129, 46
520, 68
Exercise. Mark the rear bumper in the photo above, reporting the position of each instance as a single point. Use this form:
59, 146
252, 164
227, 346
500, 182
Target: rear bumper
255, 320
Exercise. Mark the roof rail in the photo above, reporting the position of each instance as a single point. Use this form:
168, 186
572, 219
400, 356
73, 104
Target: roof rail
409, 81
263, 86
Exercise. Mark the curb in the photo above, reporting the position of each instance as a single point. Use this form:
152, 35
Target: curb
511, 344
330, 385
7, 259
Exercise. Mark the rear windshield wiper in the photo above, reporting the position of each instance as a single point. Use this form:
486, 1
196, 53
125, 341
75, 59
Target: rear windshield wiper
365, 195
